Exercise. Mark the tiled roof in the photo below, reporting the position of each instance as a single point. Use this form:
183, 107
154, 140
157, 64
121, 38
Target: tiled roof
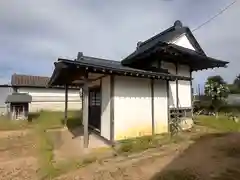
166, 36
18, 98
28, 80
21, 80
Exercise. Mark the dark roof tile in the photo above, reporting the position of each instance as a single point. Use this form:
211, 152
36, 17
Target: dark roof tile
21, 80
18, 98
28, 80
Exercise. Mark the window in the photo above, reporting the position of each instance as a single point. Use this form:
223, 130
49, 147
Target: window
94, 98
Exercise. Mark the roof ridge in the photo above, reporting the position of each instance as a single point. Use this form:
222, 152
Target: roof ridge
102, 59
157, 35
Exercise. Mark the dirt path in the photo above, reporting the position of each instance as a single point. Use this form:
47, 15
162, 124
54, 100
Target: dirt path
205, 157
17, 156
208, 157
5, 134
21, 168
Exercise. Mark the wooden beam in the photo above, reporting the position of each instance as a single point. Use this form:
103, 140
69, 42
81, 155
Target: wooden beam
85, 111
66, 105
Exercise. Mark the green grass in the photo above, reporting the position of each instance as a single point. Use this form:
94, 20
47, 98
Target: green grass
46, 155
50, 120
44, 119
146, 142
6, 124
40, 123
222, 123
70, 165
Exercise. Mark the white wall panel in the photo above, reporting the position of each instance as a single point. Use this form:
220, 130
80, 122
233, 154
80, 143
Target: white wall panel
172, 94
53, 106
184, 88
132, 107
105, 107
52, 99
160, 106
184, 42
4, 92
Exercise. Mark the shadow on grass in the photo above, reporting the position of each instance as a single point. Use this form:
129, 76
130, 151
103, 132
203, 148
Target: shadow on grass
33, 116
201, 159
74, 124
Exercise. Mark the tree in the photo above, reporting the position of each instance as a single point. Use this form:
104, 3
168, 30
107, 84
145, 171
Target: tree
217, 89
235, 86
236, 81
218, 79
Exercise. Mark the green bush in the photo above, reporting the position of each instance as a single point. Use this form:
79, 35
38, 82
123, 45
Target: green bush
206, 105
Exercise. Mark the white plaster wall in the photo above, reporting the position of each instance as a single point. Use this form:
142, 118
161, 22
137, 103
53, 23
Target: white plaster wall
132, 107
172, 94
105, 108
52, 99
184, 42
172, 84
4, 92
160, 106
184, 89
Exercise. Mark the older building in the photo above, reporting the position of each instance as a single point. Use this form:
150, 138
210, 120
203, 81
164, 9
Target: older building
43, 97
143, 93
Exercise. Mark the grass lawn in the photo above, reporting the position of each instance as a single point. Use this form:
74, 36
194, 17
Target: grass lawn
48, 168
221, 124
44, 119
38, 123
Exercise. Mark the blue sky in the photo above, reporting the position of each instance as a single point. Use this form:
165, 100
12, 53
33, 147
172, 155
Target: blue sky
35, 33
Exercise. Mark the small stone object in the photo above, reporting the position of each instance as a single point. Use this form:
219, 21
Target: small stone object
236, 119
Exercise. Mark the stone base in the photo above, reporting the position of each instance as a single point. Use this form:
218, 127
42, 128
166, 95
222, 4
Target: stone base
187, 123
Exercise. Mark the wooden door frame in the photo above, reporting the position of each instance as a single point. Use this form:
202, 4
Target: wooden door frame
97, 87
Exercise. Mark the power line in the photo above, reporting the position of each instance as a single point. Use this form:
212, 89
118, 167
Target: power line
215, 16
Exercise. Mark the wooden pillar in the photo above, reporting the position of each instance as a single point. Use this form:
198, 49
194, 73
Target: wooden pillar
177, 97
168, 103
152, 105
191, 92
24, 115
85, 111
66, 105
13, 113
112, 81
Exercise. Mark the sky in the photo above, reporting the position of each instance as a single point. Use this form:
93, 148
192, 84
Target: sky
34, 33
